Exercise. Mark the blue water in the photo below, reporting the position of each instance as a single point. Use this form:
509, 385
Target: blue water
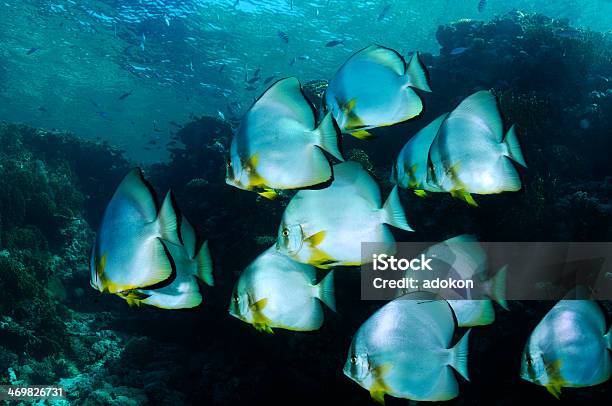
183, 58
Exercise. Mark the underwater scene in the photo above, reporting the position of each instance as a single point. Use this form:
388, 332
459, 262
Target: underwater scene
194, 195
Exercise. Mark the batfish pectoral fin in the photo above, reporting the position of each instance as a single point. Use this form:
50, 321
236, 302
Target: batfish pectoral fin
252, 162
316, 239
353, 121
382, 370
260, 321
420, 192
259, 305
379, 388
459, 192
349, 106
255, 179
556, 382
411, 171
319, 258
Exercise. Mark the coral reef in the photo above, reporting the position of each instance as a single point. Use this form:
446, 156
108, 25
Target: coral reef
47, 180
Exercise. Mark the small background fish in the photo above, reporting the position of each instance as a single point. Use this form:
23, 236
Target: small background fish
283, 36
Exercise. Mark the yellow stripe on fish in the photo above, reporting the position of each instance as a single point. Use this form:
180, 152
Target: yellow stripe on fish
379, 388
556, 381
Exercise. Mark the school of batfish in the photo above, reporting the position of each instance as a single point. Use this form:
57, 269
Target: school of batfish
150, 254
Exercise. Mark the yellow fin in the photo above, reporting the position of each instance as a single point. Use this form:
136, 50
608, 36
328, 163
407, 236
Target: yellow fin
318, 258
410, 171
554, 390
321, 259
352, 119
263, 327
465, 196
133, 302
459, 192
268, 193
259, 305
556, 381
362, 135
316, 239
260, 321
420, 193
255, 180
378, 396
250, 166
252, 162
379, 388
109, 286
382, 370
101, 265
133, 298
349, 105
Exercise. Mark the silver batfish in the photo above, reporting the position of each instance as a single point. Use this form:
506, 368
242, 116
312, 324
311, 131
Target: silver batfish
326, 227
129, 251
470, 153
404, 350
278, 145
276, 292
569, 348
374, 88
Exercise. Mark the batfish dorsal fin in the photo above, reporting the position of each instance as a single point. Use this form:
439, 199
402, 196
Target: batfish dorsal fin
288, 93
138, 193
351, 174
383, 56
481, 106
417, 74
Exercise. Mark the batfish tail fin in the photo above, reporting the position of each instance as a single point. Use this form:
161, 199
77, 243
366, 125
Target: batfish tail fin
205, 265
393, 212
328, 137
460, 356
325, 291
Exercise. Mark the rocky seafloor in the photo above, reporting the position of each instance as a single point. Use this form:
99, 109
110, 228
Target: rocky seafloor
553, 81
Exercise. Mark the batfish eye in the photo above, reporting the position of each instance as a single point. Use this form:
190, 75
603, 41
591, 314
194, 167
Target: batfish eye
353, 359
285, 232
